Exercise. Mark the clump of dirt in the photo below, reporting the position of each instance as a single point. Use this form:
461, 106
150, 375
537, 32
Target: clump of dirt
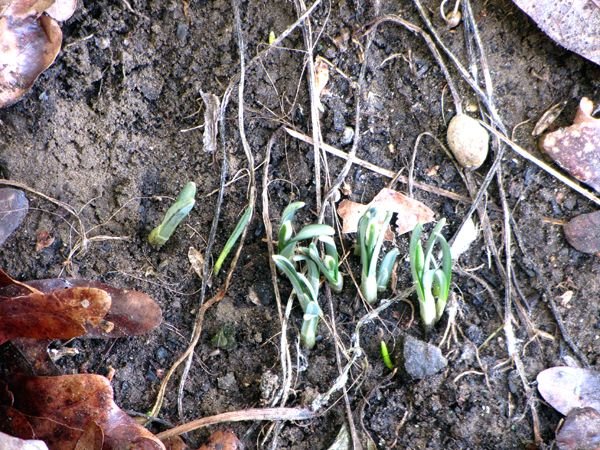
113, 128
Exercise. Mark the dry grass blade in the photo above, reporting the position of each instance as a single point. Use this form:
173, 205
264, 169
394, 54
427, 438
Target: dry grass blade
251, 414
379, 170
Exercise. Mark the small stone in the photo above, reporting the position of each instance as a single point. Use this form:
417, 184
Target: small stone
580, 431
227, 383
583, 232
422, 360
347, 136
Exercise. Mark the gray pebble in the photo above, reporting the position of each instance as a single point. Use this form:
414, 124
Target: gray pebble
422, 360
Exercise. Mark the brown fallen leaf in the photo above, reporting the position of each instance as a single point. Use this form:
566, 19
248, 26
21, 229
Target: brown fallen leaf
409, 211
131, 312
43, 239
567, 388
60, 410
222, 440
30, 42
60, 314
580, 431
577, 148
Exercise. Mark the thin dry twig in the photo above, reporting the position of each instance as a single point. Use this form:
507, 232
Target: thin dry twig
379, 170
251, 414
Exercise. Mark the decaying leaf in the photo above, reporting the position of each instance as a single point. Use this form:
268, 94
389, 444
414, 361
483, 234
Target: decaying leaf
212, 104
567, 388
12, 443
580, 431
62, 314
29, 41
69, 411
409, 211
13, 209
574, 24
548, 118
321, 75
43, 239
583, 232
577, 148
131, 312
464, 238
222, 440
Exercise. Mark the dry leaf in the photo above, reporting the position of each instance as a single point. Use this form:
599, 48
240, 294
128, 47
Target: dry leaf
409, 211
222, 440
577, 148
574, 24
13, 209
321, 75
43, 240
131, 312
60, 314
60, 410
212, 104
567, 388
464, 238
29, 46
196, 261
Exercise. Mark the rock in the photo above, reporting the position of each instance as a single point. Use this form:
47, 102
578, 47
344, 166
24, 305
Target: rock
580, 431
468, 140
228, 382
583, 232
422, 360
577, 148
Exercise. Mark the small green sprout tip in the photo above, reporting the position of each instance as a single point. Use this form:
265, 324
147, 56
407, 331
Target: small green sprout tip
432, 278
235, 235
272, 37
175, 214
385, 356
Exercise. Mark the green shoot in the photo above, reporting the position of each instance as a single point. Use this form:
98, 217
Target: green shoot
385, 356
233, 238
432, 278
286, 241
385, 269
329, 264
306, 289
175, 214
372, 227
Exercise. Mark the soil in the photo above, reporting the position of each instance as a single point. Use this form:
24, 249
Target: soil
113, 128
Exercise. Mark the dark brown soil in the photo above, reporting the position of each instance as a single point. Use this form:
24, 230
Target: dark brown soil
102, 130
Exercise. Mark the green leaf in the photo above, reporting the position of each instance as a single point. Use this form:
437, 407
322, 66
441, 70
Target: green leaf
233, 238
286, 229
310, 322
385, 269
313, 231
175, 214
302, 287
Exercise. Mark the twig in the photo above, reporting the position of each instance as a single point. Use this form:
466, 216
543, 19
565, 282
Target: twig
240, 416
314, 99
379, 170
